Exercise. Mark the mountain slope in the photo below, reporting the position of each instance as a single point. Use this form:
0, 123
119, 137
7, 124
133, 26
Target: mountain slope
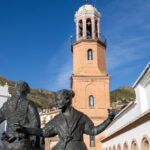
44, 98
122, 96
41, 97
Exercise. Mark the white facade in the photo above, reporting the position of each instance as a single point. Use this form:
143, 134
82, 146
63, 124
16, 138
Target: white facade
4, 94
132, 124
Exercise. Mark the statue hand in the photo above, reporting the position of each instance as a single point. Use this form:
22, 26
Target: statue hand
111, 114
9, 138
19, 128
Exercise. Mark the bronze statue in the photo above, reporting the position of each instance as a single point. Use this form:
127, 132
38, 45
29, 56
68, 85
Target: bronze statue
69, 125
18, 109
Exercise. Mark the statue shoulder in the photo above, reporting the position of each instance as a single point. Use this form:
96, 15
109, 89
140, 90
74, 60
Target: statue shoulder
84, 117
29, 102
78, 112
57, 117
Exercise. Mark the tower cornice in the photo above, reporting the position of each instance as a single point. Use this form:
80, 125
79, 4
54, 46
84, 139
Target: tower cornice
91, 77
88, 40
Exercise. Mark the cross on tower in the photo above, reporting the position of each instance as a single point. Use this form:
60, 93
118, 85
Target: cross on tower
87, 1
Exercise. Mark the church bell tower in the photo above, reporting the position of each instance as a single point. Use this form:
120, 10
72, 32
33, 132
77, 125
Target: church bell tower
89, 80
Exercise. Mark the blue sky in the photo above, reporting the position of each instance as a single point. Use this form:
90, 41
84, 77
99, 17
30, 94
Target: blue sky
35, 40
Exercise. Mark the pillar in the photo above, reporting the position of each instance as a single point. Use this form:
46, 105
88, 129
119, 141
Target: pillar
84, 29
93, 28
98, 29
77, 29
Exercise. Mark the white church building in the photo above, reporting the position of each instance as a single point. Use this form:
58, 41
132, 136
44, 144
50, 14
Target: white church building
4, 95
130, 130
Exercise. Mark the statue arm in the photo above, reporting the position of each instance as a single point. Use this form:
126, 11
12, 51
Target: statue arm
48, 131
90, 129
95, 130
33, 117
31, 131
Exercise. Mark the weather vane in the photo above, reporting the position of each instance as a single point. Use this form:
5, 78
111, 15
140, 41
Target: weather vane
87, 1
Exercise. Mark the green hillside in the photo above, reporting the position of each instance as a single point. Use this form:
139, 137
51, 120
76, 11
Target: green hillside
41, 97
122, 96
44, 98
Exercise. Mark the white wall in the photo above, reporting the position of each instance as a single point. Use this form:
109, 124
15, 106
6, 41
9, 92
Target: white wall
4, 94
136, 133
124, 118
142, 104
143, 92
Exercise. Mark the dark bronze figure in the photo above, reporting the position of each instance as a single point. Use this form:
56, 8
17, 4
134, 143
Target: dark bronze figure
69, 125
18, 109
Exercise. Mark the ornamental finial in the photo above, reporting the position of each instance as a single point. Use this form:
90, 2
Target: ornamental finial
87, 1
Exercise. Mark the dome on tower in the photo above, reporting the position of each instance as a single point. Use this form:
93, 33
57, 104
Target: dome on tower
87, 7
87, 10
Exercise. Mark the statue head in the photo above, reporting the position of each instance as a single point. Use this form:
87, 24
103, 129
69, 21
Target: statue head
64, 98
22, 88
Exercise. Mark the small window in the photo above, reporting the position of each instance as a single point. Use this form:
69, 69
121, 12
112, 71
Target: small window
90, 54
92, 141
44, 110
91, 101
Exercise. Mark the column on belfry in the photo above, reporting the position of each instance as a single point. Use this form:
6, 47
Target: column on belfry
93, 28
98, 27
77, 29
84, 29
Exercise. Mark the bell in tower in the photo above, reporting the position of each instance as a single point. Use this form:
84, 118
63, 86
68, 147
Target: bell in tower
87, 20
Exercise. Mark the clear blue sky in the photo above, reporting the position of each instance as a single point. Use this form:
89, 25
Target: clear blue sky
35, 40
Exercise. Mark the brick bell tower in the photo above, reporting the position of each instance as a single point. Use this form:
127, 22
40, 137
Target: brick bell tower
89, 80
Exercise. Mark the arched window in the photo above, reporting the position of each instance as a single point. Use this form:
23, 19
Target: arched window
80, 28
114, 148
119, 147
145, 145
90, 54
91, 101
125, 146
134, 146
89, 28
92, 141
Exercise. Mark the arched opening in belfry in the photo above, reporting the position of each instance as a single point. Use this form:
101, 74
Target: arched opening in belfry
96, 31
80, 28
89, 28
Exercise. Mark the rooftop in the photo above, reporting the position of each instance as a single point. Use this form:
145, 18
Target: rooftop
86, 7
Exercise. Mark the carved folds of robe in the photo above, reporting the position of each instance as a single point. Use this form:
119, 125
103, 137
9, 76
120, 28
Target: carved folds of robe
70, 131
23, 111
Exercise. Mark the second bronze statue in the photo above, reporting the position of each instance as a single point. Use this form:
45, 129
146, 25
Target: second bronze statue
69, 125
